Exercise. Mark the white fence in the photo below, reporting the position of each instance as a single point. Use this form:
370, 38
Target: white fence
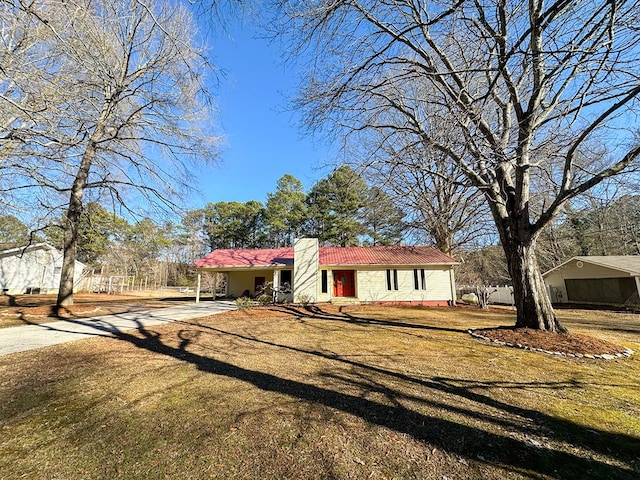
109, 283
115, 284
502, 295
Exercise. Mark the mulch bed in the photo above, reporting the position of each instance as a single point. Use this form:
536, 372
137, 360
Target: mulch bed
572, 343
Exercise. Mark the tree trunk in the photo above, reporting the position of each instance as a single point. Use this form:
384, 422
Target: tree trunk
444, 240
532, 302
72, 222
67, 274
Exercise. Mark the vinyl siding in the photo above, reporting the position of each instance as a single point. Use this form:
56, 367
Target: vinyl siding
555, 280
38, 268
371, 286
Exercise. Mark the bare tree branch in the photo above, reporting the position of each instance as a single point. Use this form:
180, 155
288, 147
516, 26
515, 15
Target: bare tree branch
529, 87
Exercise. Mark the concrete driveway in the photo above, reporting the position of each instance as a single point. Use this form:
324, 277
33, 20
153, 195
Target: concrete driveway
29, 337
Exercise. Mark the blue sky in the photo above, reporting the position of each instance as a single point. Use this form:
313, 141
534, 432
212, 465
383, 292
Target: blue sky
264, 140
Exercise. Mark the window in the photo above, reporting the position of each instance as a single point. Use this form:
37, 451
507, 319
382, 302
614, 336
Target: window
392, 279
285, 279
419, 279
325, 285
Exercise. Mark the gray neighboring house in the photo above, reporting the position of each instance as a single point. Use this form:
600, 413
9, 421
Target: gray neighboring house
32, 269
596, 280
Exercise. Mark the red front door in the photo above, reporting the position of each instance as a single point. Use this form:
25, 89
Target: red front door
344, 284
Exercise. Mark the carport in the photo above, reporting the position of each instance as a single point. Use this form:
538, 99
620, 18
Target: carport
250, 272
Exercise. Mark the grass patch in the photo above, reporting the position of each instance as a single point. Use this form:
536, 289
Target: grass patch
357, 392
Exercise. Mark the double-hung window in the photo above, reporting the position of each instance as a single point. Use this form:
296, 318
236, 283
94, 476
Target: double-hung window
392, 279
419, 279
325, 281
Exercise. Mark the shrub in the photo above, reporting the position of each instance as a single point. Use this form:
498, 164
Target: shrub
244, 303
264, 300
304, 299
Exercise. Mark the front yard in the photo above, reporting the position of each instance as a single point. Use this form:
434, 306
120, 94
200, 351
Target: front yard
319, 393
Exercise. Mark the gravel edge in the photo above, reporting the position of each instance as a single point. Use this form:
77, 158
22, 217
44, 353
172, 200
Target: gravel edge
627, 351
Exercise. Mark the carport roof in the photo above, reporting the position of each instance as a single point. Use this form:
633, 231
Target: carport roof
629, 264
329, 256
247, 257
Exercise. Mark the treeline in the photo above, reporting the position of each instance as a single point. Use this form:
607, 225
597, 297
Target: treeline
600, 226
340, 209
156, 253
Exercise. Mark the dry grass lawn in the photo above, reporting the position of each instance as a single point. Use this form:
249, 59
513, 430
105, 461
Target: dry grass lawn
322, 393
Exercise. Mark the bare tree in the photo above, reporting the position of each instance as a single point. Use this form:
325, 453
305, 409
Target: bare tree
432, 190
32, 81
532, 88
135, 107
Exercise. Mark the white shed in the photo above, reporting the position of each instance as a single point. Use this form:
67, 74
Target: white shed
32, 269
605, 280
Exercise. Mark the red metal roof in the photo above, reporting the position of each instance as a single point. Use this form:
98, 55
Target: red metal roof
247, 257
387, 255
273, 257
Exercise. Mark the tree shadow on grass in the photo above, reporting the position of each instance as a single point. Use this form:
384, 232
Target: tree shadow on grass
466, 389
517, 450
316, 312
518, 454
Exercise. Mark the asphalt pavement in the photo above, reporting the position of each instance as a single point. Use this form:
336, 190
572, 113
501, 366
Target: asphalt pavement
29, 337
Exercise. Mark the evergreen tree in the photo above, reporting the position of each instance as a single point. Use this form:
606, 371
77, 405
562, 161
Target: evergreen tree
285, 211
97, 231
13, 231
382, 218
335, 207
191, 235
234, 225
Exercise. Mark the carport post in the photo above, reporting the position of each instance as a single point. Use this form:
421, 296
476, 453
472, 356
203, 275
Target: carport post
452, 285
276, 285
198, 288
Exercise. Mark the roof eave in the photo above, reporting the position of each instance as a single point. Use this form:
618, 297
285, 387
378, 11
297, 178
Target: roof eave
34, 246
242, 267
631, 273
592, 262
389, 264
